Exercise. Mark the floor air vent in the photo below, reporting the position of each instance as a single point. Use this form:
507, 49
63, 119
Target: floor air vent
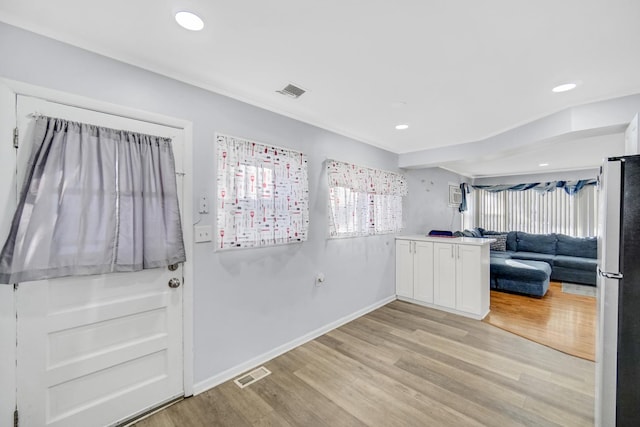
252, 377
292, 91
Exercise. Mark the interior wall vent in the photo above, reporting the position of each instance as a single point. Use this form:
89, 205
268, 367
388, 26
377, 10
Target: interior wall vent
292, 91
252, 377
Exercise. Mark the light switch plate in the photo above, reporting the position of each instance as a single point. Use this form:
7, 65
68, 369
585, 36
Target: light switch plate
203, 205
202, 233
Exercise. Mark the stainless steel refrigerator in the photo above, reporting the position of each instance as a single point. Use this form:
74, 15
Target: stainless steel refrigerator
618, 292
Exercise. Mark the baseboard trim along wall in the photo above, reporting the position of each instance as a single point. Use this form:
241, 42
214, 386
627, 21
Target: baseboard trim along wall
230, 373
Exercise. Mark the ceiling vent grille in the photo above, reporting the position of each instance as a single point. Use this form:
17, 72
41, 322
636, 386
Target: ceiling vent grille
252, 377
292, 91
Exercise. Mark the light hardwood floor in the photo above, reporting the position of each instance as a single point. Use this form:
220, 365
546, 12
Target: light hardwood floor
564, 321
404, 365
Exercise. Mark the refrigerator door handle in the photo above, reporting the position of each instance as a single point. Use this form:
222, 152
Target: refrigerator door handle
609, 275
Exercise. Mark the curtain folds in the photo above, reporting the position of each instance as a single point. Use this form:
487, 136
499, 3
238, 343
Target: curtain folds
364, 201
570, 187
94, 201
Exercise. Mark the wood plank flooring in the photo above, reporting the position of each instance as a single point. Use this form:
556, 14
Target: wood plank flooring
404, 365
566, 322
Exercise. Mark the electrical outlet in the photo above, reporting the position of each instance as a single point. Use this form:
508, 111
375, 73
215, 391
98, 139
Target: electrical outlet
202, 233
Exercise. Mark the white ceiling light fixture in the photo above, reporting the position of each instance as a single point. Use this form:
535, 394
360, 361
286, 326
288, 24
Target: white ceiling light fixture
543, 164
189, 21
402, 127
565, 87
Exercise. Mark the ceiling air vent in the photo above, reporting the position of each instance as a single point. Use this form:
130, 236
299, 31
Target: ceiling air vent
252, 377
292, 91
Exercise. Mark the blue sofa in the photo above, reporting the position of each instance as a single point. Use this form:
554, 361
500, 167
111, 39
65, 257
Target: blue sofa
569, 259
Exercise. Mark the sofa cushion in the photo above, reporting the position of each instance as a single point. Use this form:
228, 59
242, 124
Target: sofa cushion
585, 247
571, 275
533, 256
501, 254
540, 243
577, 263
512, 245
520, 269
500, 244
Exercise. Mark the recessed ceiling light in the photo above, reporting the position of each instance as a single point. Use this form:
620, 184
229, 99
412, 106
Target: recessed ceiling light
190, 21
564, 87
543, 164
402, 127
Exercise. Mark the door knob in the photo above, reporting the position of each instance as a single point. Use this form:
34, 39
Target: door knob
174, 282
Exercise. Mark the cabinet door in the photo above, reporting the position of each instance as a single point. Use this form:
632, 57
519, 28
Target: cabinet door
444, 277
469, 279
404, 268
423, 272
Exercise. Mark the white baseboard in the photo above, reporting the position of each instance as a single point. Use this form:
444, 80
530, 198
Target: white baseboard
230, 373
447, 309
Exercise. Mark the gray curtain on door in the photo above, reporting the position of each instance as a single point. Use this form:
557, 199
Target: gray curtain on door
94, 200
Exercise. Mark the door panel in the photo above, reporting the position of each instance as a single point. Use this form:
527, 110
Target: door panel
423, 272
7, 308
404, 268
469, 278
95, 350
444, 267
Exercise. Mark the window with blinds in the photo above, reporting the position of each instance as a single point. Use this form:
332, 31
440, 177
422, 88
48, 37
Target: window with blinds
538, 212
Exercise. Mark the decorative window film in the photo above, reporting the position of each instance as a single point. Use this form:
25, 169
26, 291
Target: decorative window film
262, 194
364, 201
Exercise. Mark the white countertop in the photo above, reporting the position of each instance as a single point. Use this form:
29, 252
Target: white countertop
477, 241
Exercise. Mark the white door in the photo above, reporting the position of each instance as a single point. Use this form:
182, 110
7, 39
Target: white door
96, 350
444, 275
423, 272
404, 268
7, 307
469, 279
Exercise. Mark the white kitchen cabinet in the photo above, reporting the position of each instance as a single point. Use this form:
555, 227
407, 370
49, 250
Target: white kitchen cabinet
404, 268
448, 274
414, 270
423, 271
444, 274
469, 295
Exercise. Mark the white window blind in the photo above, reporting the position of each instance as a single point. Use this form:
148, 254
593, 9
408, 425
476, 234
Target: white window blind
364, 201
538, 212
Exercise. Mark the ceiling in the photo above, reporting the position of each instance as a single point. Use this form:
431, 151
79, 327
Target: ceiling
463, 71
575, 154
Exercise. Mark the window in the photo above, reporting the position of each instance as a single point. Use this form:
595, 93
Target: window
262, 196
364, 201
533, 211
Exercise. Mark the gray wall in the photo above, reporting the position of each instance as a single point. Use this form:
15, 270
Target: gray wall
252, 301
427, 206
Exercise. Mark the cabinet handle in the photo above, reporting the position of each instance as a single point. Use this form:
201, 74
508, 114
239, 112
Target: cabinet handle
414, 247
451, 251
458, 252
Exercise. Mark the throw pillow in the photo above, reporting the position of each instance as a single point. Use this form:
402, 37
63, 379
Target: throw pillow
500, 244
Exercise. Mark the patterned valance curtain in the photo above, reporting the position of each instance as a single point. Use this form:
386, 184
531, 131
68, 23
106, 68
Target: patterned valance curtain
364, 201
570, 187
94, 200
365, 180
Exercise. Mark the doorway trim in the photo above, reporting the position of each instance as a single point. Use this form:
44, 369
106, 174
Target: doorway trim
20, 88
